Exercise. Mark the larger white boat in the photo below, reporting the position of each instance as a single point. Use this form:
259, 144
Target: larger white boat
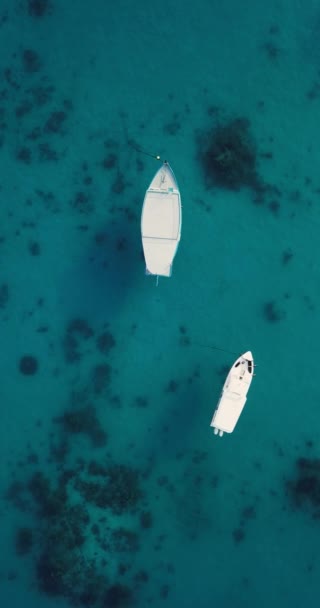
234, 395
161, 222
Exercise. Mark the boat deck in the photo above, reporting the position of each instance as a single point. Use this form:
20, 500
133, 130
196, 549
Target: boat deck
161, 218
161, 222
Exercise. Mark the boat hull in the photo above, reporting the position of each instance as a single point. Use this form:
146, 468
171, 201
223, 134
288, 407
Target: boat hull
161, 222
234, 395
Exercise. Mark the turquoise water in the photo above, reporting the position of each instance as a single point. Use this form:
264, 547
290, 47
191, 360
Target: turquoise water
232, 522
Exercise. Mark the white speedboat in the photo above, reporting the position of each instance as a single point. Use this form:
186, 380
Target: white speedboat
161, 222
234, 395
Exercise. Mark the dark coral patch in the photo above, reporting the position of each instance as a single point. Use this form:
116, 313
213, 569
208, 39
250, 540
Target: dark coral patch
119, 490
24, 155
287, 256
24, 541
124, 540
272, 313
4, 295
78, 330
184, 338
56, 122
47, 153
105, 342
28, 365
172, 386
84, 421
38, 8
238, 535
118, 596
146, 519
100, 377
228, 156
172, 127
119, 184
110, 161
34, 248
82, 203
81, 327
31, 61
141, 401
50, 575
305, 489
274, 207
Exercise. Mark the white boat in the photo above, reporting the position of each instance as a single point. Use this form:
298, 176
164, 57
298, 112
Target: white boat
234, 395
161, 222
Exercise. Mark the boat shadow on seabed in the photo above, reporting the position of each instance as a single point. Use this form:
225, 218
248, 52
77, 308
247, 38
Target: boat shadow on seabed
176, 423
99, 282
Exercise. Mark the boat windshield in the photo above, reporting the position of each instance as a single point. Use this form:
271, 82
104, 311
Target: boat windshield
233, 395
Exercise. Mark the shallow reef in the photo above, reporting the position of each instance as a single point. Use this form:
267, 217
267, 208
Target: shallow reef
91, 519
304, 488
228, 155
117, 489
88, 517
83, 421
65, 528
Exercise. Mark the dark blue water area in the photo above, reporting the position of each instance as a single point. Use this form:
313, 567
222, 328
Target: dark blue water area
114, 490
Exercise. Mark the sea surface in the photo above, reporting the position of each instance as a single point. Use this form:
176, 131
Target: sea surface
114, 490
